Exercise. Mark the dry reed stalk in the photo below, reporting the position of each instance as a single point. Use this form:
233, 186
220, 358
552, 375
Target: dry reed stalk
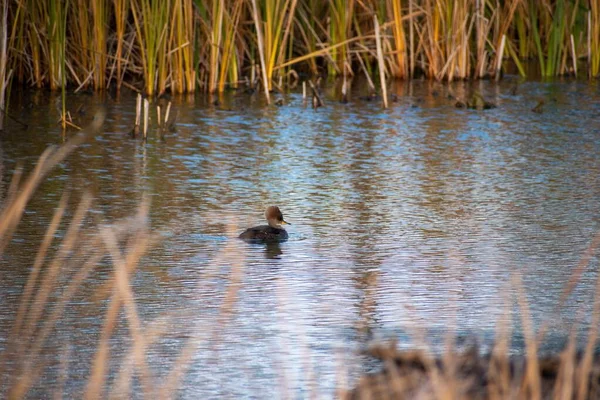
311, 30
54, 268
340, 30
531, 383
230, 62
146, 117
11, 212
124, 294
4, 74
285, 15
12, 209
323, 52
119, 285
574, 55
167, 112
183, 75
37, 265
151, 22
138, 115
480, 33
499, 58
99, 10
304, 91
381, 62
499, 364
31, 369
367, 76
563, 387
261, 50
231, 255
594, 38
153, 331
401, 70
585, 366
218, 10
120, 8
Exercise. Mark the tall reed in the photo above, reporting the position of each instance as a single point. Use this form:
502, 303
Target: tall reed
341, 15
99, 10
400, 67
4, 74
274, 20
151, 22
221, 27
57, 28
593, 46
230, 61
182, 41
120, 12
186, 45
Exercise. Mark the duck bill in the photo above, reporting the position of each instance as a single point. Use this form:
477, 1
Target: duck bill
283, 222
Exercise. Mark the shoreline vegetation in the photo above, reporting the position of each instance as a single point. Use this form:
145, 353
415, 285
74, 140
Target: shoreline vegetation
201, 46
186, 46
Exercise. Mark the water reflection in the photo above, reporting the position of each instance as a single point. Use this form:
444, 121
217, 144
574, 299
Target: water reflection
273, 250
403, 220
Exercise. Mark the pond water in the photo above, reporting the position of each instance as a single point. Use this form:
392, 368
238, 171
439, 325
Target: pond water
406, 221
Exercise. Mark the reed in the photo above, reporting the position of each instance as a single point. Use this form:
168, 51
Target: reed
186, 45
261, 49
593, 45
340, 30
273, 21
4, 74
181, 43
230, 61
311, 30
31, 20
82, 43
151, 22
120, 12
99, 10
400, 67
381, 62
57, 29
222, 26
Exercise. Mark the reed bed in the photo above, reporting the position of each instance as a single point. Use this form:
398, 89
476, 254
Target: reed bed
191, 45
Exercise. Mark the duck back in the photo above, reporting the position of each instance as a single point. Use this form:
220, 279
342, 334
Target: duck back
264, 233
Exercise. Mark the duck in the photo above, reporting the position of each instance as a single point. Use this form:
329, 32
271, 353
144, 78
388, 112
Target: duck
273, 232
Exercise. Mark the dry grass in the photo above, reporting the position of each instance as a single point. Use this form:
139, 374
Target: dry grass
185, 45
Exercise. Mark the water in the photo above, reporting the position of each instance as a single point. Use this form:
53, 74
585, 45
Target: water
404, 221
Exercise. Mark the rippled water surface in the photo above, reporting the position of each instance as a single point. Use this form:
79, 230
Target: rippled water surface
404, 221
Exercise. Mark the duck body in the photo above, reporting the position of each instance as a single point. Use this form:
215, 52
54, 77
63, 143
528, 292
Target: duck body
267, 233
264, 233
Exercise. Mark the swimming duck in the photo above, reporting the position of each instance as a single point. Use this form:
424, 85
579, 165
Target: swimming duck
267, 233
